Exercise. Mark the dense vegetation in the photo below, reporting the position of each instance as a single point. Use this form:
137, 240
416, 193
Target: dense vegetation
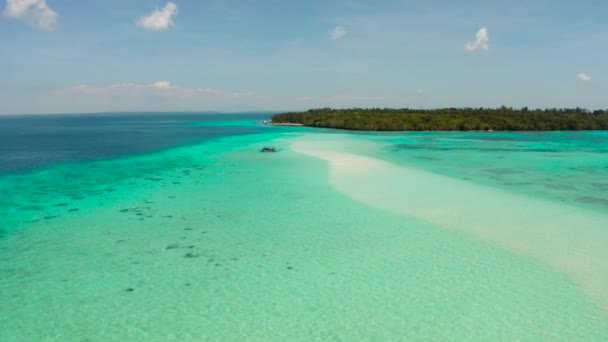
450, 119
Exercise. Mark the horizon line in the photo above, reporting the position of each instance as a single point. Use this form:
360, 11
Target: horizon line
269, 111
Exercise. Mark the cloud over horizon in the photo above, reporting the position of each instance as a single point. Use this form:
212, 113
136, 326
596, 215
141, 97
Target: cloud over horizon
160, 19
482, 39
161, 88
35, 12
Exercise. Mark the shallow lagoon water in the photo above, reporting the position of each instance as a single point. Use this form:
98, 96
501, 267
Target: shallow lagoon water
217, 241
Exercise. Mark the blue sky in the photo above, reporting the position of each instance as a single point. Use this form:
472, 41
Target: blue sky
60, 56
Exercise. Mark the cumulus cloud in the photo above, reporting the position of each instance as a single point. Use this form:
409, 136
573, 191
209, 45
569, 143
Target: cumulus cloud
482, 39
35, 12
583, 77
161, 88
160, 19
338, 33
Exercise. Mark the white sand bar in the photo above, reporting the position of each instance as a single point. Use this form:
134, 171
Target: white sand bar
569, 239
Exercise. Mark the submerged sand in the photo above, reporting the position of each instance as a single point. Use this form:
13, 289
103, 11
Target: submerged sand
570, 239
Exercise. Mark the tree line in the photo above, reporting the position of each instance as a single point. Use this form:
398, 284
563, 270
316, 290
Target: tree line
450, 119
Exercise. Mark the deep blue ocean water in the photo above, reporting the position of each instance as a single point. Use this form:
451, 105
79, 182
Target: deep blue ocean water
32, 141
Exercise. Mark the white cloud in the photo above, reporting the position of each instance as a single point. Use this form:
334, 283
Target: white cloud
481, 41
161, 88
36, 12
419, 91
583, 77
160, 19
163, 85
338, 33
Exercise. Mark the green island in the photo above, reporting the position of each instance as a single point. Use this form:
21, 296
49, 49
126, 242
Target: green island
449, 119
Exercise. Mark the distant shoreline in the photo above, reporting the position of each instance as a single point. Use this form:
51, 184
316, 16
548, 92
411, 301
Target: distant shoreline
448, 119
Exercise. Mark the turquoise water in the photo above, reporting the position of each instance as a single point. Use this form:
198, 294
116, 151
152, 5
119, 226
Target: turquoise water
401, 236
